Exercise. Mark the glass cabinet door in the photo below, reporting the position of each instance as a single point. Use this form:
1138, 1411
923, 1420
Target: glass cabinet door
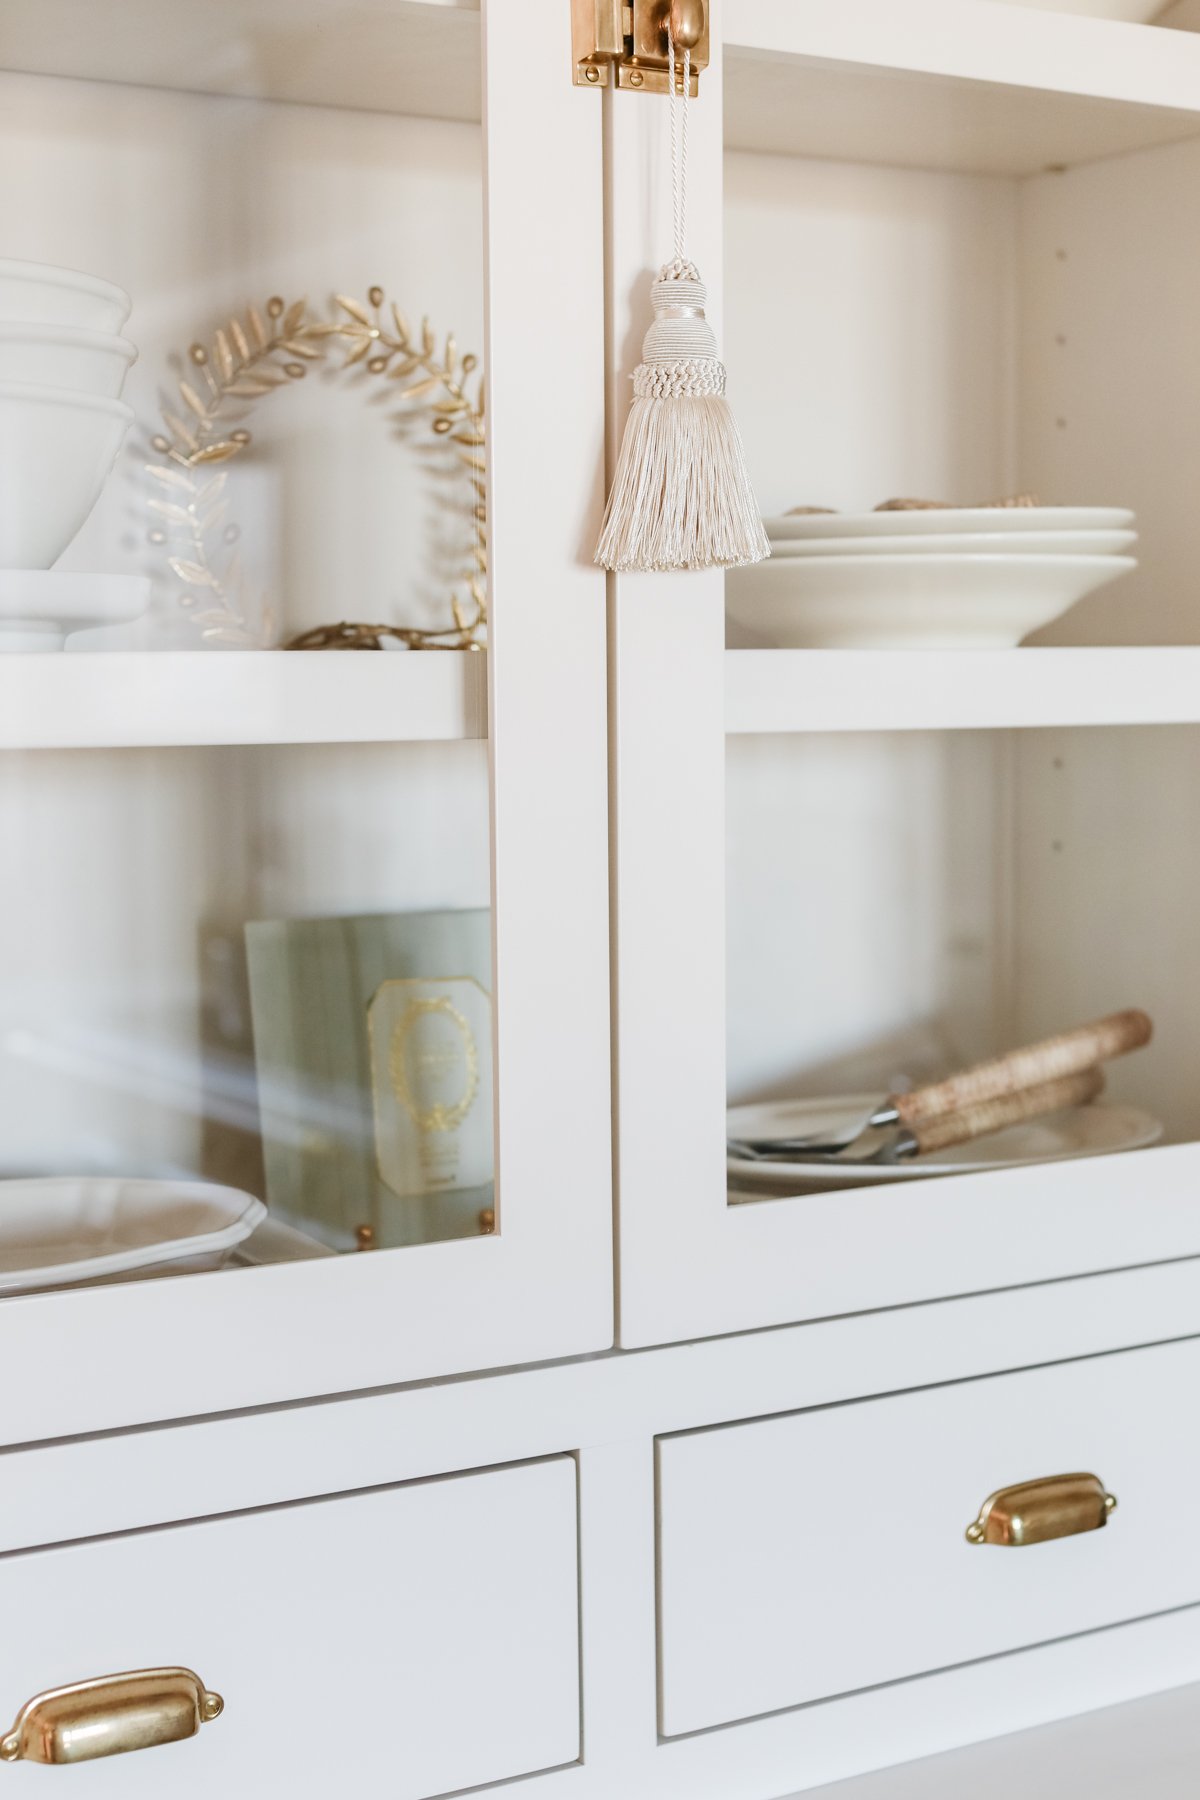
862, 843
304, 1047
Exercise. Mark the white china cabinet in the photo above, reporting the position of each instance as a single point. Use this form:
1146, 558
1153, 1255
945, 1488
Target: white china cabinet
427, 1492
161, 790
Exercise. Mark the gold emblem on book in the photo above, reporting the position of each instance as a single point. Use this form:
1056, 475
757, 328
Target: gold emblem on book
435, 1062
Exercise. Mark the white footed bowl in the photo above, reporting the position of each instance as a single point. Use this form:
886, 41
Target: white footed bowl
66, 356
56, 449
39, 608
911, 602
36, 293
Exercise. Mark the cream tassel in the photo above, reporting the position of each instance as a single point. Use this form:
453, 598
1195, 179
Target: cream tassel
681, 497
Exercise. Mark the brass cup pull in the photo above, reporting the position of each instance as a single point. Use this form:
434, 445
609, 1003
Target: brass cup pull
1033, 1512
110, 1715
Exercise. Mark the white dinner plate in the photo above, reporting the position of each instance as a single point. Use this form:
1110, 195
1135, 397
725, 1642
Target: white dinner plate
972, 543
950, 518
1097, 1130
911, 602
59, 1229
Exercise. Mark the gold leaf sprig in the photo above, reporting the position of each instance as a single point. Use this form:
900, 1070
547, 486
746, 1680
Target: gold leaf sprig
248, 359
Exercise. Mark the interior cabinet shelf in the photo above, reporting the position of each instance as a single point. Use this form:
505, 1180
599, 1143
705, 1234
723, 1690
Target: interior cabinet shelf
399, 56
979, 87
151, 698
957, 690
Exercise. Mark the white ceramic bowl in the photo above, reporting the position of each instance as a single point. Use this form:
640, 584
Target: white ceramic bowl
56, 449
36, 293
911, 602
66, 356
962, 543
941, 519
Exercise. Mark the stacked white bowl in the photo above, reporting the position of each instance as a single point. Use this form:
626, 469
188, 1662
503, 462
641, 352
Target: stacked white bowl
63, 365
919, 577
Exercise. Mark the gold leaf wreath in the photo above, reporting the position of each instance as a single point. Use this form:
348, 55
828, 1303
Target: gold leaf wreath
247, 360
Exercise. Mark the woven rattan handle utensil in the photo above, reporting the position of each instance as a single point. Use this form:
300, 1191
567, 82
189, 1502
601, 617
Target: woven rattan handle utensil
1067, 1054
977, 1121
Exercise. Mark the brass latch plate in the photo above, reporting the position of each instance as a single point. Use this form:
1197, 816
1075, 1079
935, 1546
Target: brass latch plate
630, 40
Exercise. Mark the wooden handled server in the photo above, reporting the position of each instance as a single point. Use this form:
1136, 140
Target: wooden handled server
1001, 1078
897, 1143
1050, 1060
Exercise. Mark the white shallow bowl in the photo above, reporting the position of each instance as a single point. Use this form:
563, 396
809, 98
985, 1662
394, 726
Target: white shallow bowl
975, 543
1100, 1129
60, 1229
66, 356
39, 608
948, 518
38, 293
56, 450
911, 602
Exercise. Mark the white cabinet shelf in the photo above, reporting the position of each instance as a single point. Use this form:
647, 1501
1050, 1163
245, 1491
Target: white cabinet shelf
971, 85
958, 690
399, 56
160, 698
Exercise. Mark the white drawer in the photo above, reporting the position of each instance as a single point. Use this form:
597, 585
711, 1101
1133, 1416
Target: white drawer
411, 1640
820, 1552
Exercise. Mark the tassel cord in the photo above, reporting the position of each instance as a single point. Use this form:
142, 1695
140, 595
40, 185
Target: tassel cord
679, 123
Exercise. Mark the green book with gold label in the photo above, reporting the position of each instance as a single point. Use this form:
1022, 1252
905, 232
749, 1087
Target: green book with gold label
373, 1050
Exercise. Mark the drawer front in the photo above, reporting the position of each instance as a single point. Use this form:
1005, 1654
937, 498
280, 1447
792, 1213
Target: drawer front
816, 1553
411, 1640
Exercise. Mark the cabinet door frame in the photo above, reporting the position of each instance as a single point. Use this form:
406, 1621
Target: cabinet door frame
541, 1286
689, 1264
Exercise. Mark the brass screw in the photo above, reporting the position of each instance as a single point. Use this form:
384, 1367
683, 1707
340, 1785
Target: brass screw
591, 75
364, 1237
636, 78
487, 1221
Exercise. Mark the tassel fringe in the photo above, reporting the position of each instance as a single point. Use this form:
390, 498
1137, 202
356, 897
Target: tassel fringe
681, 498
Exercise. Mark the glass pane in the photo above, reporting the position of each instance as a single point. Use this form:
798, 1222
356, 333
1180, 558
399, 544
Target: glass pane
245, 992
903, 905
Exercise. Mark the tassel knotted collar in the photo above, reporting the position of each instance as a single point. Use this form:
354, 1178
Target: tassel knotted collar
681, 497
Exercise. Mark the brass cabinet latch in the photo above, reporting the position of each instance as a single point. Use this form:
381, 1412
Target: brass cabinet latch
631, 40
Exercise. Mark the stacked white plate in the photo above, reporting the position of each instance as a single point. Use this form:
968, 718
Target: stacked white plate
63, 365
936, 578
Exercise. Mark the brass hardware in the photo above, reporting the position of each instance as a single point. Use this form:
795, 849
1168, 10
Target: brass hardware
109, 1716
630, 39
487, 1221
1033, 1512
364, 1237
